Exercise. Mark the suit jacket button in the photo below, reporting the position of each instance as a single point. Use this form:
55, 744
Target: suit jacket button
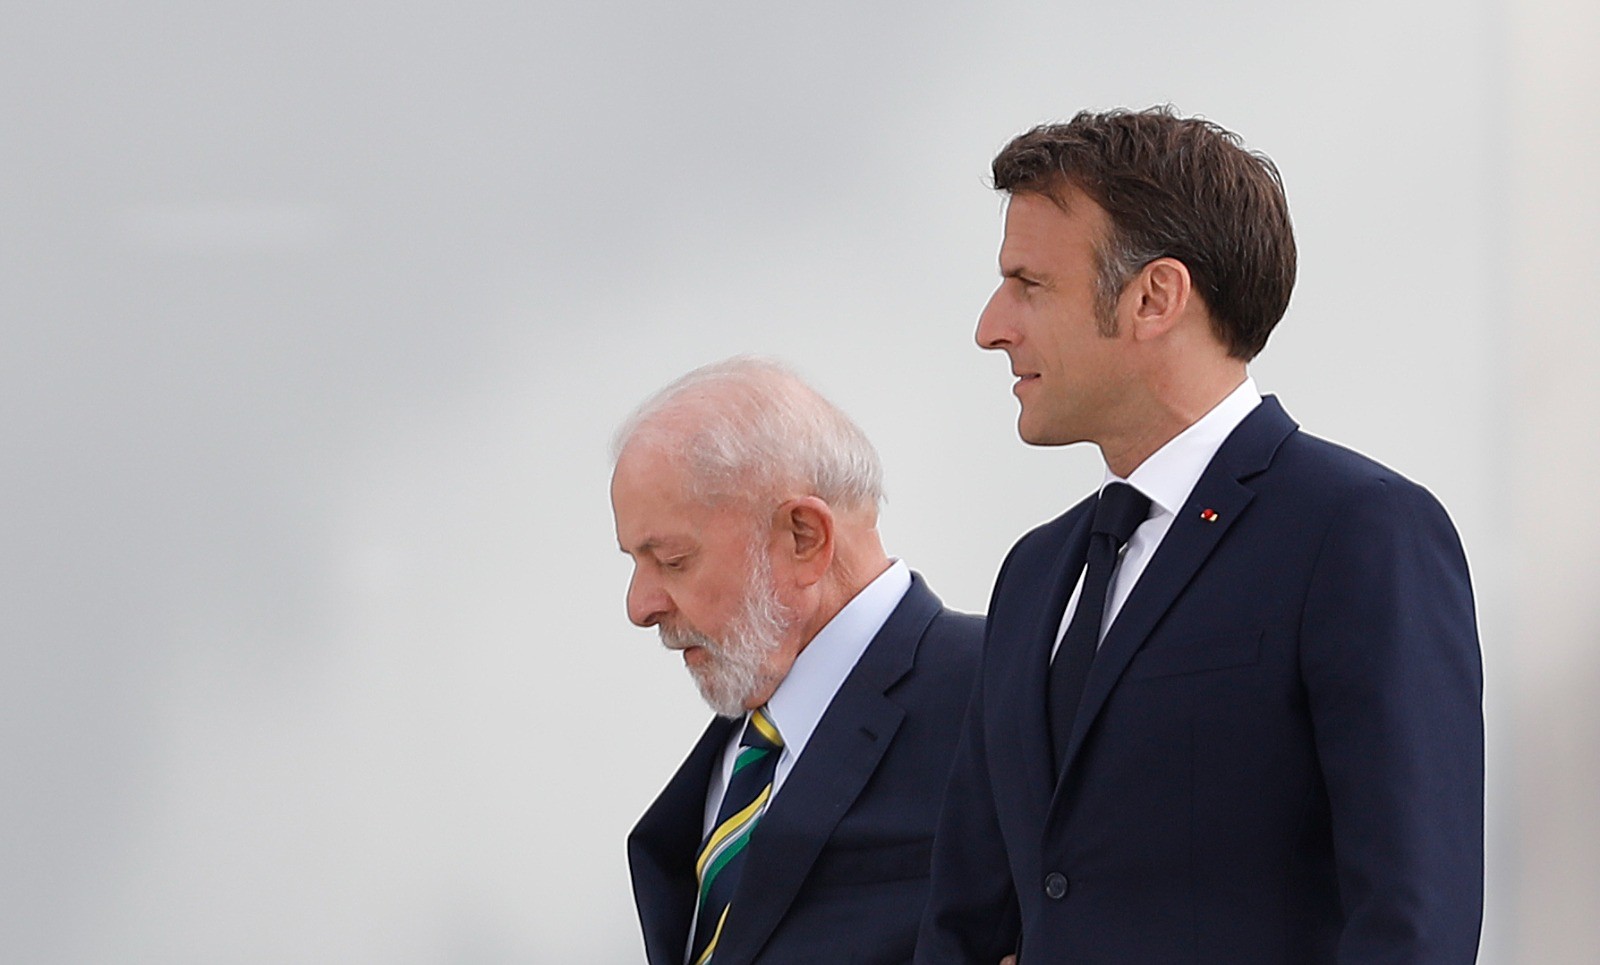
1055, 885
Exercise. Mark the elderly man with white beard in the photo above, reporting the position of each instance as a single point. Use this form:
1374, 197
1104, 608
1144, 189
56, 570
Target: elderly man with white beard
800, 827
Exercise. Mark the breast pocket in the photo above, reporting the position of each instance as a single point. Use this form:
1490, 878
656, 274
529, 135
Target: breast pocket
1196, 654
873, 864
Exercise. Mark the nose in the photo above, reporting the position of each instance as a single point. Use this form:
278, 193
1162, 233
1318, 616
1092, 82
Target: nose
993, 329
647, 602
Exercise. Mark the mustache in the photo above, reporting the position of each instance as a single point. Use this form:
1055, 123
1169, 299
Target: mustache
682, 638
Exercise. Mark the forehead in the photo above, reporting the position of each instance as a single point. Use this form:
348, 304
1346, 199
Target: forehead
1043, 227
652, 503
646, 486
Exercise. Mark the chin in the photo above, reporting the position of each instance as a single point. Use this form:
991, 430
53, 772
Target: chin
1039, 431
1037, 437
727, 691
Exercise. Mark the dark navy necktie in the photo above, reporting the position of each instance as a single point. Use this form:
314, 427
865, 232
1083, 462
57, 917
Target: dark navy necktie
1118, 513
721, 856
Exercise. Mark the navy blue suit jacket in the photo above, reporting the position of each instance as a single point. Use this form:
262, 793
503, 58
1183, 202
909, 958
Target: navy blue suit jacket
1279, 753
837, 869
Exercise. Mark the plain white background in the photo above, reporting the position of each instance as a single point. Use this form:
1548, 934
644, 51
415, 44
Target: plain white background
318, 318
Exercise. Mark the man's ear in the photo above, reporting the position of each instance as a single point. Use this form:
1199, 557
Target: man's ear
1157, 298
805, 527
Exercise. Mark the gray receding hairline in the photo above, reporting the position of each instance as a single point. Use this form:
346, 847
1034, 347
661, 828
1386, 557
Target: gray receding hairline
750, 426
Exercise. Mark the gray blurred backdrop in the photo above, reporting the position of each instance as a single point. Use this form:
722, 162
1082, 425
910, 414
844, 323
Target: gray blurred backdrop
317, 319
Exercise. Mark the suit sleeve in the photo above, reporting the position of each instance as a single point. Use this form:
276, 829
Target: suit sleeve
1393, 674
971, 915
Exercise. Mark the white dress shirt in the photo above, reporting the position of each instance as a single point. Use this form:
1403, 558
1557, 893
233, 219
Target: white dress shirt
1167, 477
817, 674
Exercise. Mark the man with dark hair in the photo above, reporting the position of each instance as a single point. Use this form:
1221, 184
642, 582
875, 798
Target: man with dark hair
800, 827
1230, 707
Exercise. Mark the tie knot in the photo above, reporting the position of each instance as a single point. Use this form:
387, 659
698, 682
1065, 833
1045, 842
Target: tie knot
1120, 511
761, 731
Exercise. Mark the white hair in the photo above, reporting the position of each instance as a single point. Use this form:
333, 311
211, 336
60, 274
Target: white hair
749, 426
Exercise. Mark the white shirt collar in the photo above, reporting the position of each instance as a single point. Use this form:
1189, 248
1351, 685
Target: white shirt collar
1170, 473
820, 669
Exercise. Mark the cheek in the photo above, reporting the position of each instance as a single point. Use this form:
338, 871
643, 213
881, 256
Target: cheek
709, 609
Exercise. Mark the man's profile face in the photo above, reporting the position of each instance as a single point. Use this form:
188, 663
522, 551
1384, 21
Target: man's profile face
702, 576
1043, 315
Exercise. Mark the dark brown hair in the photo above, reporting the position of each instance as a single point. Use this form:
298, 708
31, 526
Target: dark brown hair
1174, 187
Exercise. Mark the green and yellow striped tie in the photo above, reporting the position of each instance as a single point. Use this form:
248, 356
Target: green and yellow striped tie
722, 853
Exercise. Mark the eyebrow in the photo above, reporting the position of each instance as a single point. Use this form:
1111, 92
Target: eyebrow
650, 545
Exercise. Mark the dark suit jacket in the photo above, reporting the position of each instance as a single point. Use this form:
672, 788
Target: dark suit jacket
837, 870
1279, 753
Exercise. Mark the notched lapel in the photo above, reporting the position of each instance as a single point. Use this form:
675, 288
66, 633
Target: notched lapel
1186, 547
841, 756
662, 848
1221, 496
792, 833
1026, 682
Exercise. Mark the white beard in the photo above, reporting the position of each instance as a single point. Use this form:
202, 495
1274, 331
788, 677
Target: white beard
739, 666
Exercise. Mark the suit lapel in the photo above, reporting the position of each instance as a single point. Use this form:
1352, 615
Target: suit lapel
1028, 677
663, 846
1191, 540
837, 762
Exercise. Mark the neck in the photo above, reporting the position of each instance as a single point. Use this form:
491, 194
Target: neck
859, 559
1174, 404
